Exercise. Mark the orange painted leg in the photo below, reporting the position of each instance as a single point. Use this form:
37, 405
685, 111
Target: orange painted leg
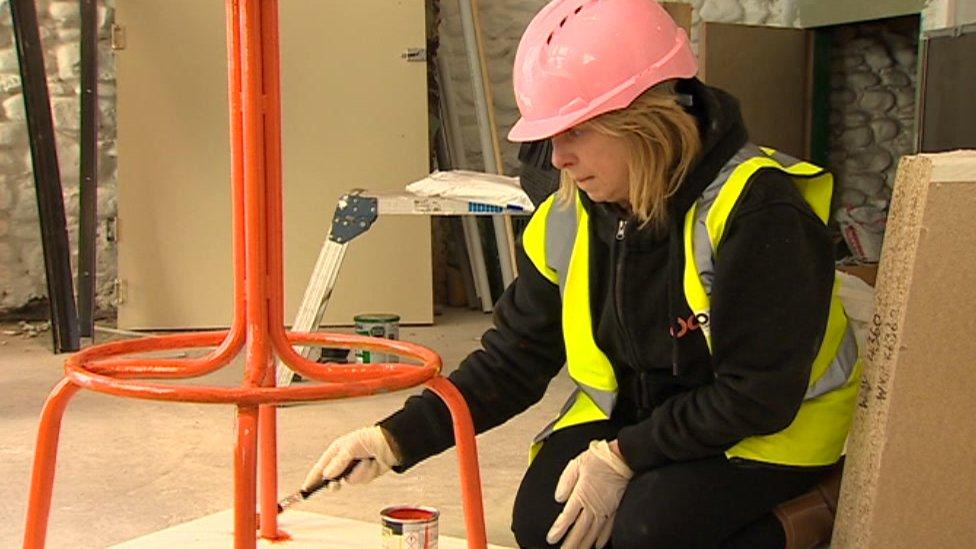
268, 471
474, 515
245, 487
45, 462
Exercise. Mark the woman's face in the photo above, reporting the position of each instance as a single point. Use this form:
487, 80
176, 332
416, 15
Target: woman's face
598, 163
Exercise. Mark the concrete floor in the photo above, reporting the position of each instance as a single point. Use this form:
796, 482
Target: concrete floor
127, 468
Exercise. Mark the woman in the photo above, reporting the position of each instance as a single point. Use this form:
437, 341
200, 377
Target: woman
686, 279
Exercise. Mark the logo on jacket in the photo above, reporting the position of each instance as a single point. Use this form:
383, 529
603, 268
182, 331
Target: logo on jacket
682, 326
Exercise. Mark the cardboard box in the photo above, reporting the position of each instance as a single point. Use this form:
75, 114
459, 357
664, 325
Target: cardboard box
867, 273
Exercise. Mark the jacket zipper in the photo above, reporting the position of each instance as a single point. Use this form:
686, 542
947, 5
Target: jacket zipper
621, 229
621, 249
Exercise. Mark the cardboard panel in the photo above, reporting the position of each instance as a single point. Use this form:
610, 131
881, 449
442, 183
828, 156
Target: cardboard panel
948, 89
910, 474
767, 69
354, 115
681, 13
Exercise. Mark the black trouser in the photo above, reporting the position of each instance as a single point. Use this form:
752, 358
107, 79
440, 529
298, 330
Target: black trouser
704, 503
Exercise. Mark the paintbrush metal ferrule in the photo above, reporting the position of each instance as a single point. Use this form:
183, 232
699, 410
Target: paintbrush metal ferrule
302, 495
290, 500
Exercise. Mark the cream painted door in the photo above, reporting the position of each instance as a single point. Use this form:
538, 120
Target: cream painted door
354, 116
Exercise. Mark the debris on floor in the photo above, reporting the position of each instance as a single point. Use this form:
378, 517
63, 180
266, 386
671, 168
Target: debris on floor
27, 329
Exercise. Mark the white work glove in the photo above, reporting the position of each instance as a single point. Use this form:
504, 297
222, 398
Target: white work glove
367, 445
591, 486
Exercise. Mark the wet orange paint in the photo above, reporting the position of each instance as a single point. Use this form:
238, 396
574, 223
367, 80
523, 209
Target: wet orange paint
281, 537
257, 326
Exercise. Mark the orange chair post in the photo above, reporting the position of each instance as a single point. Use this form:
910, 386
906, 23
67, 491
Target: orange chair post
45, 461
257, 326
474, 523
245, 467
270, 101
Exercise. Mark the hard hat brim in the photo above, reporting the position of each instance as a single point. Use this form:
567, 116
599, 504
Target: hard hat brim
534, 130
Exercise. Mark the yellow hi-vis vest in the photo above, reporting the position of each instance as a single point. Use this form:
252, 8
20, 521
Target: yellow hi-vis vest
557, 242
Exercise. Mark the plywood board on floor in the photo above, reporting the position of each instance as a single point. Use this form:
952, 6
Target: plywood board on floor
306, 530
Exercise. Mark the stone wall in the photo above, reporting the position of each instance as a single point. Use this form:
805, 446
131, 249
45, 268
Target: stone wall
22, 276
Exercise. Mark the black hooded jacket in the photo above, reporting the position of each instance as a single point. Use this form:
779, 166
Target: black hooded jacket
769, 304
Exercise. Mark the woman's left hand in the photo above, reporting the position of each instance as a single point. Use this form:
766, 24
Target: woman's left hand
591, 486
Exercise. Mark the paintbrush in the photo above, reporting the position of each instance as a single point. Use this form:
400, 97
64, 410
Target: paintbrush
302, 495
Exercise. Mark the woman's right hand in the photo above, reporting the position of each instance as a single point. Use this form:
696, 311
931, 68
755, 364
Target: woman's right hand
368, 445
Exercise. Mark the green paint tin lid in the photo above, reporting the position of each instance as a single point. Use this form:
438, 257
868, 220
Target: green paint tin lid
376, 318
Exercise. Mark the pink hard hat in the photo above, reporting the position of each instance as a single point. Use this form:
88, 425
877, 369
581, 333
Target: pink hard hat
581, 58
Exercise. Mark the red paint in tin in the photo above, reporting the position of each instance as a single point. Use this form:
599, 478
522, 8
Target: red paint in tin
409, 527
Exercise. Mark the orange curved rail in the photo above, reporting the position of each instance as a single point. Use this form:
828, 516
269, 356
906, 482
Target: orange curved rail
257, 327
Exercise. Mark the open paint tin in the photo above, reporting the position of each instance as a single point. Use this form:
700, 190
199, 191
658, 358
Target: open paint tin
384, 326
409, 527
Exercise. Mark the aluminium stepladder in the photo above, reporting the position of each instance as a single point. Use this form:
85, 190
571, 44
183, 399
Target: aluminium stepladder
355, 213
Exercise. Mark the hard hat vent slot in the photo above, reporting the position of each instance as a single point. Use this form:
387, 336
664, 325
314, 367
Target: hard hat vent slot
563, 22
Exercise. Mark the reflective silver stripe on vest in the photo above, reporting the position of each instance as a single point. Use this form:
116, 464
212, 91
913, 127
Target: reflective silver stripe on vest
547, 430
605, 401
561, 224
782, 158
561, 227
841, 367
701, 243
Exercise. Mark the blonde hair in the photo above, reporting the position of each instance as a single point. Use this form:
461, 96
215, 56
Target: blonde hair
662, 141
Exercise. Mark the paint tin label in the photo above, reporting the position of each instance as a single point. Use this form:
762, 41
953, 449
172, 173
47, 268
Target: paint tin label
385, 326
406, 527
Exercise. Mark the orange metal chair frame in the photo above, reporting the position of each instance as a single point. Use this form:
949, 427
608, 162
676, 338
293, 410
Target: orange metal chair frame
257, 326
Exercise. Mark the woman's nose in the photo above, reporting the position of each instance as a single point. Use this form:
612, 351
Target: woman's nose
562, 158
